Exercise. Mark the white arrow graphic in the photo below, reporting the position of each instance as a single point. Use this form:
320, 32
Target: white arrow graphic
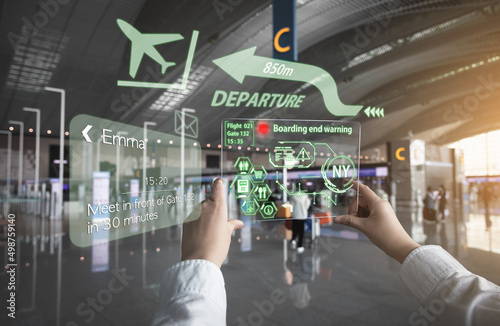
85, 133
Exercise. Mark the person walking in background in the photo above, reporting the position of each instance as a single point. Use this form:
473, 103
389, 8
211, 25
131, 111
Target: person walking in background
429, 205
474, 197
486, 193
442, 202
299, 215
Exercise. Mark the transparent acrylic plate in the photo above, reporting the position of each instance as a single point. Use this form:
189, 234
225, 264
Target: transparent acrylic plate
270, 166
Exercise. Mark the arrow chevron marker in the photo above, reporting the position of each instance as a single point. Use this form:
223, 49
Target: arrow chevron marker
245, 63
85, 133
379, 112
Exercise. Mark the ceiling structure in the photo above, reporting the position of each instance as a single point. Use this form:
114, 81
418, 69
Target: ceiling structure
422, 61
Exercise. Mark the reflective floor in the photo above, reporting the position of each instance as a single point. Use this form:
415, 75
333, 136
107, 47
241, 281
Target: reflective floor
340, 279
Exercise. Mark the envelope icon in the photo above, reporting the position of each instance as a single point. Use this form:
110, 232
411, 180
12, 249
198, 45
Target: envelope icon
187, 123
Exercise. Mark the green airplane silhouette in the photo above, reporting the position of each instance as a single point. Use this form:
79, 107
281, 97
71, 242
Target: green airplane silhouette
144, 44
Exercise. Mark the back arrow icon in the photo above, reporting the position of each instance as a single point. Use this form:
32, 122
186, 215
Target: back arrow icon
85, 133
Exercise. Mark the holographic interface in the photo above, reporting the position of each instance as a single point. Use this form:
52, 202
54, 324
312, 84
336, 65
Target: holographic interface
127, 180
268, 162
142, 44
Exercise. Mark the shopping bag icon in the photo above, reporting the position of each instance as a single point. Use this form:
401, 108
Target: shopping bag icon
259, 174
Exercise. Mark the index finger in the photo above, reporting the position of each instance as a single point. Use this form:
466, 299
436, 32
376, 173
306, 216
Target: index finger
217, 193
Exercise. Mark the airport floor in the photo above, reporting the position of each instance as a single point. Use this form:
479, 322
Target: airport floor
340, 279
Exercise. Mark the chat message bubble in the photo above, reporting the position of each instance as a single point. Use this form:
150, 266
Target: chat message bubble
125, 180
275, 168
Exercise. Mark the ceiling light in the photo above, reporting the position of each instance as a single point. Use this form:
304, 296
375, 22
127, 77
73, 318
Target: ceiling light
33, 64
372, 54
173, 98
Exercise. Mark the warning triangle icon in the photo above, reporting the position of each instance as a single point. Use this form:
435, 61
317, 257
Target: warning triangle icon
303, 156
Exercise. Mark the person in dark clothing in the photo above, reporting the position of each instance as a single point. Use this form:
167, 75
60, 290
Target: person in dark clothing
300, 205
429, 205
442, 202
486, 194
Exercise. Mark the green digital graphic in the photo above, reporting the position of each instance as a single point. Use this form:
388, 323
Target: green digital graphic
262, 192
317, 156
259, 173
268, 210
249, 207
238, 133
374, 112
334, 171
145, 44
331, 201
186, 124
285, 156
303, 155
248, 185
243, 165
256, 100
257, 66
339, 171
242, 186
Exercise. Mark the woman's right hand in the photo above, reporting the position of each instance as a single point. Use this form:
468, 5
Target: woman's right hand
376, 219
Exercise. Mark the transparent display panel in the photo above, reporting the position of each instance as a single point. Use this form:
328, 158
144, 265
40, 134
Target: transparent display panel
274, 168
126, 180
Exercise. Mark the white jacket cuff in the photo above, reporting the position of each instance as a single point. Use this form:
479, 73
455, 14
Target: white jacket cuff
425, 267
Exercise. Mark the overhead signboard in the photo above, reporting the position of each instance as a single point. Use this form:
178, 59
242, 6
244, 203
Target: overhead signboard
284, 30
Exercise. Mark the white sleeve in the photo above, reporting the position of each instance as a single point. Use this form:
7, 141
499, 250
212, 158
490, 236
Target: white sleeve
448, 291
192, 293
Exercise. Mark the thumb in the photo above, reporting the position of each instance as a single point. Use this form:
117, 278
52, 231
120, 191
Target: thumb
195, 214
234, 225
350, 220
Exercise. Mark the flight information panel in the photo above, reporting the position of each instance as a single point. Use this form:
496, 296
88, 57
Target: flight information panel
126, 180
274, 166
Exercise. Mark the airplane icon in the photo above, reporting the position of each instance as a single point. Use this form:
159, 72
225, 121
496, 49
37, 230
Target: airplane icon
144, 44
